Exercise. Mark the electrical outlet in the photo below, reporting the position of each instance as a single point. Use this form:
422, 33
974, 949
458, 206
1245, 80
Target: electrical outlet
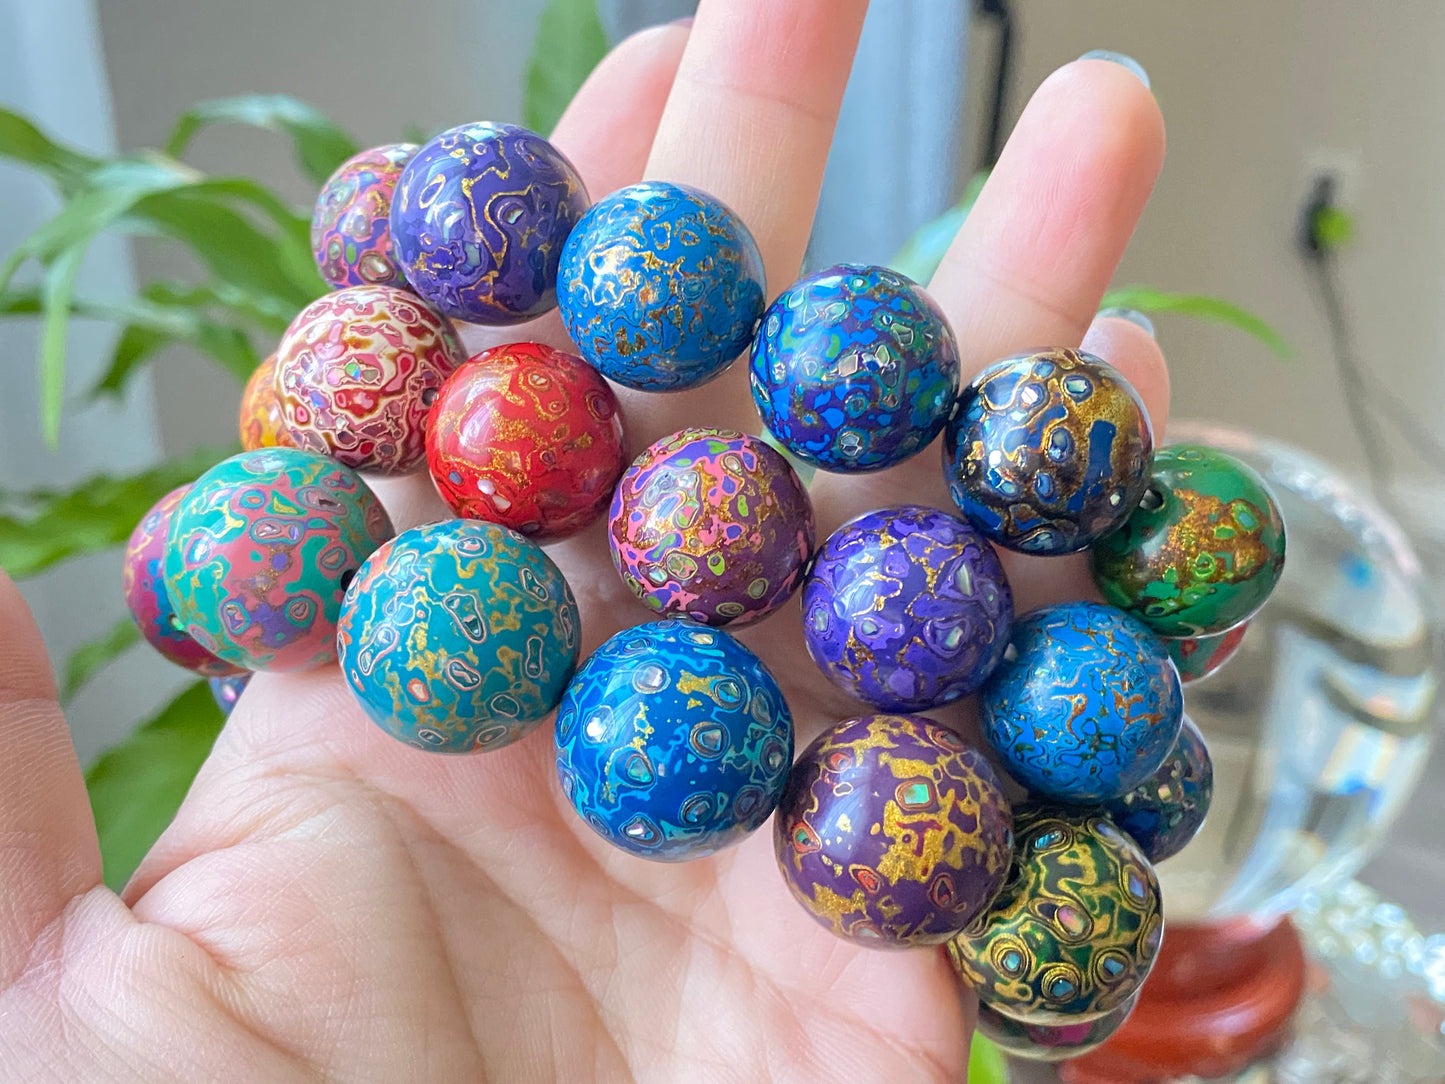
1345, 166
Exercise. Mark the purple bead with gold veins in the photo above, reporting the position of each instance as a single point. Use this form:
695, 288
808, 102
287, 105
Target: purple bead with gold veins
893, 832
711, 524
907, 608
351, 227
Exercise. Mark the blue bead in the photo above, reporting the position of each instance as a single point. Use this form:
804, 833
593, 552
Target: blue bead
1166, 811
660, 286
854, 368
1085, 706
673, 741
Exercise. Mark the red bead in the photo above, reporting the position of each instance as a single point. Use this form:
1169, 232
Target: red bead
261, 423
528, 437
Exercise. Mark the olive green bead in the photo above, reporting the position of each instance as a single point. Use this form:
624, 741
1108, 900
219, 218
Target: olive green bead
1202, 551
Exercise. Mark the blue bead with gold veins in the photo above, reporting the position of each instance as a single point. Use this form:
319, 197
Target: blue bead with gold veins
1086, 704
854, 368
673, 741
660, 286
458, 637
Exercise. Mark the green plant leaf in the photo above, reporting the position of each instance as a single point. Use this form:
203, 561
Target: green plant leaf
986, 1063
21, 141
111, 191
40, 528
923, 251
137, 786
569, 43
56, 291
320, 144
1214, 309
91, 657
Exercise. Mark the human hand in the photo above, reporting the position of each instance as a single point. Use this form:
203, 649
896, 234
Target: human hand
331, 904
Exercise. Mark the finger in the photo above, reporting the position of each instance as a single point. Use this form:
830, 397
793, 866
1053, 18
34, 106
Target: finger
606, 131
1039, 247
48, 849
750, 120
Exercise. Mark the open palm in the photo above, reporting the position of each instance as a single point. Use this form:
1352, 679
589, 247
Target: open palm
331, 904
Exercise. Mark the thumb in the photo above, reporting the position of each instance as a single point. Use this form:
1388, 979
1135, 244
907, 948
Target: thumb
48, 849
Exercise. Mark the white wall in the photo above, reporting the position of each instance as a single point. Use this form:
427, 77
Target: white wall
1250, 91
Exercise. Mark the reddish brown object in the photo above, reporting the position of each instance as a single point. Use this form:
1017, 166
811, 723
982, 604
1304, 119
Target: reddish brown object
1220, 997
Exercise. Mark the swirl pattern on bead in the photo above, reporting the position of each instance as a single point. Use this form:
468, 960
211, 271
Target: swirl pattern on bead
892, 832
356, 373
479, 218
458, 637
660, 286
1077, 927
262, 425
711, 524
907, 608
144, 584
1050, 1042
1086, 706
854, 368
261, 550
673, 741
1202, 553
528, 437
1163, 813
351, 226
1198, 657
1046, 453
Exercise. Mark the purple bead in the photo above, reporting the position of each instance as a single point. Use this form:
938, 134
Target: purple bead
893, 832
907, 608
479, 218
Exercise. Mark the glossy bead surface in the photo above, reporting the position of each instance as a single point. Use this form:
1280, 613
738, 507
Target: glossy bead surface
1197, 657
892, 832
144, 584
1163, 813
907, 608
711, 524
673, 741
351, 226
1202, 552
458, 637
528, 437
262, 425
1050, 1042
660, 286
261, 551
854, 368
1085, 707
226, 691
356, 373
479, 218
1048, 452
1076, 928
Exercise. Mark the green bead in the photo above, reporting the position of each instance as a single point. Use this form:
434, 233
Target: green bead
1202, 551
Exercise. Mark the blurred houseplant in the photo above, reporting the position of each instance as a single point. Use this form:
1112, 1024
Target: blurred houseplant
256, 271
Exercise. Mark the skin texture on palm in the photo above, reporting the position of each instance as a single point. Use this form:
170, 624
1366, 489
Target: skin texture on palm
330, 904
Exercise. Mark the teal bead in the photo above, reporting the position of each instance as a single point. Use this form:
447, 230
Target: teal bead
459, 637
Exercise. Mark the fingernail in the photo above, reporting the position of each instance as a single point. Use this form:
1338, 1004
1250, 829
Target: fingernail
1134, 316
1119, 59
686, 21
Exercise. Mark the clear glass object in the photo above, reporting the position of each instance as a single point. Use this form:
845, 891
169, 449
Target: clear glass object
1320, 725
